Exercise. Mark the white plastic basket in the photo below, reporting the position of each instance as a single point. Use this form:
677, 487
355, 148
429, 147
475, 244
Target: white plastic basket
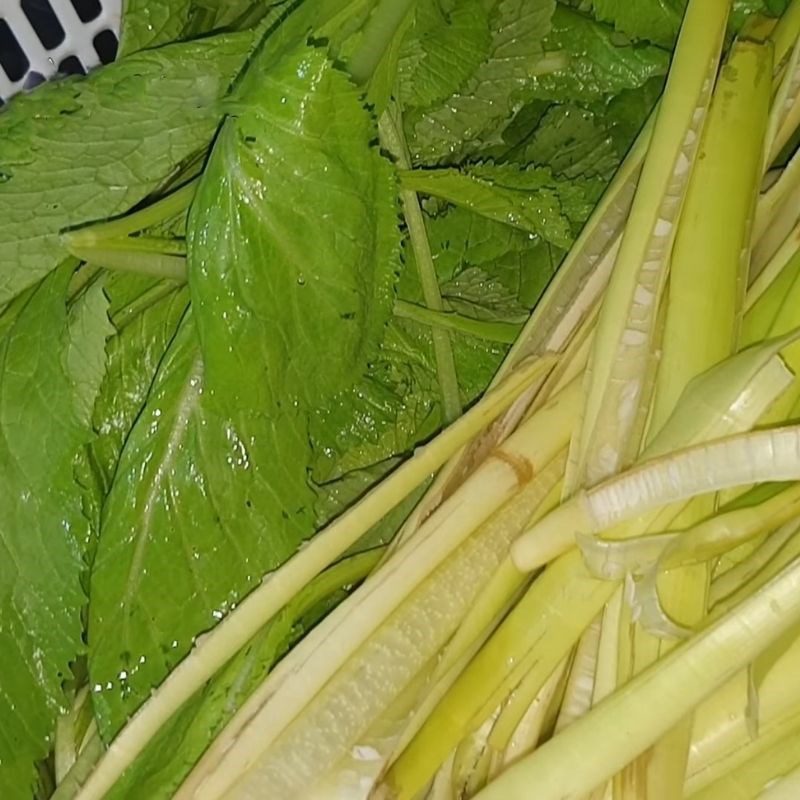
41, 38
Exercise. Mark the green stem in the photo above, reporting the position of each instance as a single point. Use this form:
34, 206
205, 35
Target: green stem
121, 257
391, 132
80, 770
378, 32
164, 209
503, 332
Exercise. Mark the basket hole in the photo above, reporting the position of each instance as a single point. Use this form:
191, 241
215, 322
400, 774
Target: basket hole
71, 65
32, 80
87, 10
12, 57
105, 45
44, 21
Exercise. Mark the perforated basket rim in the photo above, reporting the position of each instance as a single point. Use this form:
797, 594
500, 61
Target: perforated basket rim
78, 40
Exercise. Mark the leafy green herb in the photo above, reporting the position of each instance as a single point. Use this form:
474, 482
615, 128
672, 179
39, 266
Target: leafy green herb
44, 391
79, 150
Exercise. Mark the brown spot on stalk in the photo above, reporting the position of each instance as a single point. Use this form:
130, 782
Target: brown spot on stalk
522, 467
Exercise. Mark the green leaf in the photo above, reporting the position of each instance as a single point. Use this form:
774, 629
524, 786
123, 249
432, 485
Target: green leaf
42, 528
134, 355
488, 99
531, 199
88, 329
79, 150
202, 505
474, 293
293, 237
444, 48
149, 23
393, 408
591, 60
655, 20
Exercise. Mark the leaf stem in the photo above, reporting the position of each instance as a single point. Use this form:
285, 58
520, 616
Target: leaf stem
126, 256
386, 18
503, 332
164, 209
390, 128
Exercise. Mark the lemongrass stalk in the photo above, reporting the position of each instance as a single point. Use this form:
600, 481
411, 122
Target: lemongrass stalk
623, 338
472, 760
535, 637
707, 261
581, 681
759, 457
783, 786
785, 555
735, 385
212, 651
780, 226
654, 701
532, 720
714, 229
613, 559
774, 198
67, 739
786, 32
781, 111
265, 734
722, 736
740, 574
760, 777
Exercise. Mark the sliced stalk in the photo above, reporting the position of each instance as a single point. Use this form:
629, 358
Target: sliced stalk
760, 777
786, 32
391, 130
654, 701
613, 559
623, 339
535, 637
722, 737
746, 384
714, 229
741, 574
580, 685
214, 650
532, 725
786, 555
271, 729
759, 457
781, 112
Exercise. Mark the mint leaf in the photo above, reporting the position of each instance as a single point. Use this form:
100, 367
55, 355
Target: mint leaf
83, 149
489, 97
293, 237
149, 23
591, 61
88, 329
656, 20
444, 48
41, 525
202, 505
393, 407
531, 199
477, 294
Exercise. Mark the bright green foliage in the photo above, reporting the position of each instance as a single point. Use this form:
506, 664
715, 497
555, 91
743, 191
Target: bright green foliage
42, 529
76, 151
287, 285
